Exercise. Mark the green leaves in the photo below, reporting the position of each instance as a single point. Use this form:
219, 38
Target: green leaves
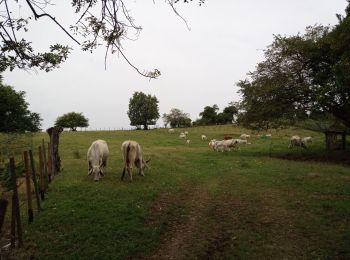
143, 110
14, 113
72, 120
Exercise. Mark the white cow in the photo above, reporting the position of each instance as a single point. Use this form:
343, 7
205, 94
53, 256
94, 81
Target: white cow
97, 156
225, 145
244, 136
188, 141
132, 155
212, 144
307, 139
186, 133
204, 137
295, 140
182, 136
171, 130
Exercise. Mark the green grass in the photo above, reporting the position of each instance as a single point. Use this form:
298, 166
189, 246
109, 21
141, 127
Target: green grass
264, 201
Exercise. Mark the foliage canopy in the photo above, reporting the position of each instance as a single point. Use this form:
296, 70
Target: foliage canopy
143, 110
301, 75
177, 118
72, 120
14, 113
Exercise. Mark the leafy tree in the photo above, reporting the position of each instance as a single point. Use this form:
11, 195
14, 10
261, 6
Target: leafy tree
226, 116
177, 118
106, 23
143, 110
301, 75
14, 113
208, 116
72, 120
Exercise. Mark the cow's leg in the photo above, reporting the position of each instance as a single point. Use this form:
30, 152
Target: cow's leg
123, 174
89, 169
130, 172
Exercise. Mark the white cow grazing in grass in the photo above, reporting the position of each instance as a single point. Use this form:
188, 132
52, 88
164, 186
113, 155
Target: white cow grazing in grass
295, 140
212, 144
225, 145
97, 156
244, 136
132, 155
204, 137
307, 139
171, 130
188, 141
242, 141
182, 136
186, 133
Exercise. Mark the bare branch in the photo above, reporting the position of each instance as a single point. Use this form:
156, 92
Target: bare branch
170, 2
52, 18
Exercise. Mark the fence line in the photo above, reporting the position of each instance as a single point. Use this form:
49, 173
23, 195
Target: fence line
11, 233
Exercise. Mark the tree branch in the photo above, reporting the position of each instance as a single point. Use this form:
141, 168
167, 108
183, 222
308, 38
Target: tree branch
36, 15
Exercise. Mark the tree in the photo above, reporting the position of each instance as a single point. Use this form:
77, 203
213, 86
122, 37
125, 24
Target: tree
301, 75
177, 118
227, 115
14, 113
72, 120
209, 115
106, 23
143, 110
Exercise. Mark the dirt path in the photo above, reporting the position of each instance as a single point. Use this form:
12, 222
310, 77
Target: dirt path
180, 232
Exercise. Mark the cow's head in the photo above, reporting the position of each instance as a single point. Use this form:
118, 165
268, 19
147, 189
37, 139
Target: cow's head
97, 172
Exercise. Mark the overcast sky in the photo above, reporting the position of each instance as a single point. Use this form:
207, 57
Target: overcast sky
199, 66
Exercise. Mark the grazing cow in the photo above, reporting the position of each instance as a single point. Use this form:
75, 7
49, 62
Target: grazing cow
225, 145
132, 155
186, 133
97, 156
295, 140
204, 137
171, 130
307, 139
244, 136
182, 136
242, 141
212, 144
188, 141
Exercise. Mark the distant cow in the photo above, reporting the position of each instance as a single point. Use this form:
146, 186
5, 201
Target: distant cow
97, 156
295, 140
132, 155
204, 137
171, 130
244, 136
182, 136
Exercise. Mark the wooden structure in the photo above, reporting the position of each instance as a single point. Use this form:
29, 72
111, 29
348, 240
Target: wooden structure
335, 139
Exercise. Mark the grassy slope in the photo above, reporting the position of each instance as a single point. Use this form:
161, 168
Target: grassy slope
195, 203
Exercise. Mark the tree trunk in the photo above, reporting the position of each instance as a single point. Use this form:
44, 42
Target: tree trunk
54, 133
145, 127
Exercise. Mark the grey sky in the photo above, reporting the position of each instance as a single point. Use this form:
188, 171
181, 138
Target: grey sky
199, 67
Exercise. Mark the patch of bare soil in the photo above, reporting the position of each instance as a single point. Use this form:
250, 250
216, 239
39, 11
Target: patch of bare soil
180, 230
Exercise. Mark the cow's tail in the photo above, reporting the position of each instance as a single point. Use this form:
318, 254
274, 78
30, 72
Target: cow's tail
127, 160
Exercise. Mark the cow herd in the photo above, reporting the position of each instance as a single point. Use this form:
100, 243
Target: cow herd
98, 152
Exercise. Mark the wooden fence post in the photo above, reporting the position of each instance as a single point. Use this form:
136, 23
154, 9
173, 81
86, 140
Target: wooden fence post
49, 161
34, 179
16, 216
46, 175
29, 190
3, 207
54, 133
41, 174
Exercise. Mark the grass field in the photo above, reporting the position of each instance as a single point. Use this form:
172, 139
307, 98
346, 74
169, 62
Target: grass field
264, 201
